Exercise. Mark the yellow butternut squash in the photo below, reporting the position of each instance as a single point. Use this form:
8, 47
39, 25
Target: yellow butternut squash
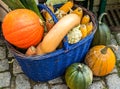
53, 38
57, 33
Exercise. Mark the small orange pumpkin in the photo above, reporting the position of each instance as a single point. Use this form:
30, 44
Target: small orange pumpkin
101, 60
22, 28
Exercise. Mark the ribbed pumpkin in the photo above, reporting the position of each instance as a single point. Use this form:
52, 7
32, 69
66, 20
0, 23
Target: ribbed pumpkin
101, 60
78, 76
22, 28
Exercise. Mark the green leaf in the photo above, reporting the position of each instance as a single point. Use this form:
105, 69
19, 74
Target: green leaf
13, 4
31, 4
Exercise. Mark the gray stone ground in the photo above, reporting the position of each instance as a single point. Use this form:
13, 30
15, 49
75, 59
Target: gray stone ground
12, 77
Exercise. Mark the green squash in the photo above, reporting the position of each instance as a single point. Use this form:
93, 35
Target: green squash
78, 76
103, 34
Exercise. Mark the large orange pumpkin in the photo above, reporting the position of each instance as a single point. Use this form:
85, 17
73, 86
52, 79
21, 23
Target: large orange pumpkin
22, 28
101, 60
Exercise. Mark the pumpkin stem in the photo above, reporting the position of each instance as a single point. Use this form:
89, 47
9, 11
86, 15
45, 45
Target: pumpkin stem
100, 17
79, 67
104, 50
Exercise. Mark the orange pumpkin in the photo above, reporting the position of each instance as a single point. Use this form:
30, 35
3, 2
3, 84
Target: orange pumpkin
22, 28
101, 60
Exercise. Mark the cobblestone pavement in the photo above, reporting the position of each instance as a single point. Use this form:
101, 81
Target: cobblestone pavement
12, 77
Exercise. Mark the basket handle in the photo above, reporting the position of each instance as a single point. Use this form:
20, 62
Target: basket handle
65, 40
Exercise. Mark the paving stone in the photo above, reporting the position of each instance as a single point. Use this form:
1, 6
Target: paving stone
9, 53
22, 82
96, 78
16, 68
56, 80
5, 79
2, 42
12, 84
41, 86
114, 70
113, 81
97, 85
62, 86
4, 65
5, 88
2, 52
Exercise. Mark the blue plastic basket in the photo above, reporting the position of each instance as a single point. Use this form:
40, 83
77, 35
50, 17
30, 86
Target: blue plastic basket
52, 65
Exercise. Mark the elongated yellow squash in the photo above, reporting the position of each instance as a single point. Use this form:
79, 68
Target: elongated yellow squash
53, 38
57, 33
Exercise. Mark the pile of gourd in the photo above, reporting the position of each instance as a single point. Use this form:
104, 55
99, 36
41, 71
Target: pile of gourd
25, 29
100, 59
77, 33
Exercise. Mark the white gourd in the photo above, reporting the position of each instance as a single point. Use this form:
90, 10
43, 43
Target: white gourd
74, 35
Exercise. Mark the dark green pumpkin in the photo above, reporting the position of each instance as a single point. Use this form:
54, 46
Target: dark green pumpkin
78, 76
103, 34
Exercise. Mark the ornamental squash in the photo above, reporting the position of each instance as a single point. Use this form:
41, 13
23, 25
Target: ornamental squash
101, 60
103, 34
64, 9
83, 30
78, 76
85, 19
22, 28
74, 35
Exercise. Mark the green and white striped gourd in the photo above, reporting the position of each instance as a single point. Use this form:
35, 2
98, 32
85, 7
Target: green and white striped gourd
78, 76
